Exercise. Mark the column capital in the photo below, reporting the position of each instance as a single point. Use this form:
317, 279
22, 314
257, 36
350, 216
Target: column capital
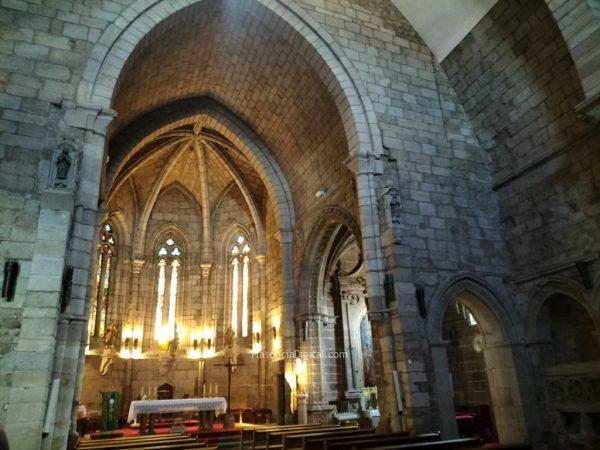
260, 259
364, 164
137, 265
87, 116
205, 267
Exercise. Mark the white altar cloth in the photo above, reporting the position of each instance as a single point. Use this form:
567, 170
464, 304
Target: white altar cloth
217, 404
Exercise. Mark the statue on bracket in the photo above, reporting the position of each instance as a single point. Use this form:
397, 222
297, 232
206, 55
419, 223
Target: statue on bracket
64, 166
230, 351
174, 343
390, 208
111, 339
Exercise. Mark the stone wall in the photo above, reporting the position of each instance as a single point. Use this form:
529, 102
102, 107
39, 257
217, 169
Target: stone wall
518, 84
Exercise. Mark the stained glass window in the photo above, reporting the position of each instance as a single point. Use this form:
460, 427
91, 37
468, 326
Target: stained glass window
168, 268
99, 306
240, 261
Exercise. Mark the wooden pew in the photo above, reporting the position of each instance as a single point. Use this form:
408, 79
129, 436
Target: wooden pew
91, 443
275, 438
247, 434
457, 444
259, 434
326, 443
299, 441
398, 438
126, 443
193, 445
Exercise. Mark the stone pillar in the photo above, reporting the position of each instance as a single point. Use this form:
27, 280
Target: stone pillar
444, 390
134, 306
301, 401
91, 123
261, 308
367, 171
27, 401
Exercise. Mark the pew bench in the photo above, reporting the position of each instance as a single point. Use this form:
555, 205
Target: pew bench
248, 434
260, 435
190, 446
132, 443
90, 444
456, 444
298, 441
397, 438
274, 440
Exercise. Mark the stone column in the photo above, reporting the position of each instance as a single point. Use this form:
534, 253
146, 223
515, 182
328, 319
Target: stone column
262, 307
301, 401
444, 390
367, 171
27, 401
134, 309
91, 124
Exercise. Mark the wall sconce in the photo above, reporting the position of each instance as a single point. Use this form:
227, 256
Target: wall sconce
11, 272
276, 334
201, 343
132, 336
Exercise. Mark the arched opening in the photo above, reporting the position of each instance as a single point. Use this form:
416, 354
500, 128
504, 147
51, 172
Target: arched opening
476, 377
466, 362
565, 351
193, 158
333, 321
566, 332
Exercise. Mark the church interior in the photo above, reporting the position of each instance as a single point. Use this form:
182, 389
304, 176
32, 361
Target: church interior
299, 224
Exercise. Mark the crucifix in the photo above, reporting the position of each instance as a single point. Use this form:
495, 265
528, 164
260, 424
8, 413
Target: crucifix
230, 366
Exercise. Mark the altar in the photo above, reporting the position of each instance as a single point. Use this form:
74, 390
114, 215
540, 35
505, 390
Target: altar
147, 410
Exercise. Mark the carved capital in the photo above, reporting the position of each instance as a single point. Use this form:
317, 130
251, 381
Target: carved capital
137, 265
205, 269
261, 260
364, 165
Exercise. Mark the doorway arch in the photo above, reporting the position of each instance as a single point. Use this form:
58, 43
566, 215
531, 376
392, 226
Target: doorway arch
563, 334
498, 334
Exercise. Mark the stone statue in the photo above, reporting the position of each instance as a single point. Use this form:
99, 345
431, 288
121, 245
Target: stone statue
395, 207
174, 343
110, 337
230, 351
63, 166
229, 338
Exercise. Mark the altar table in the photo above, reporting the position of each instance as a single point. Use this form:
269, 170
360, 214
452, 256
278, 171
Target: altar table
206, 408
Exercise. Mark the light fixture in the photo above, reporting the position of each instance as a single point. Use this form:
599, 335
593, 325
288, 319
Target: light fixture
321, 193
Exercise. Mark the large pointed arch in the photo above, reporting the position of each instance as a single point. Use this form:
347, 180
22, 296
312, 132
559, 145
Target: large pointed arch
335, 69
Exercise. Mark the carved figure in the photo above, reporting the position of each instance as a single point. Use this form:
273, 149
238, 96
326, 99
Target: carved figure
63, 166
229, 338
110, 336
395, 207
174, 343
